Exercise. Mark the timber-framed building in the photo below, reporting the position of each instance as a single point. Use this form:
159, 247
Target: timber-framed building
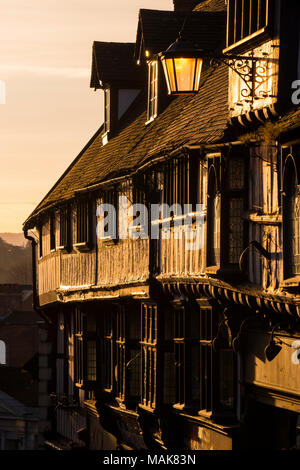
159, 346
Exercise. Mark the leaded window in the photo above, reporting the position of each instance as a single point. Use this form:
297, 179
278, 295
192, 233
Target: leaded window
107, 110
108, 351
180, 182
213, 212
65, 227
128, 356
217, 367
84, 224
149, 354
85, 350
186, 355
291, 217
52, 232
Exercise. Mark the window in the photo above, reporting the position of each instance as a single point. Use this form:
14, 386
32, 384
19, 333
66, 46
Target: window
65, 228
121, 353
108, 350
234, 202
217, 369
83, 224
213, 212
149, 354
207, 363
139, 190
226, 200
152, 91
2, 352
85, 350
291, 214
79, 347
111, 214
40, 231
180, 185
128, 356
246, 17
107, 110
186, 355
52, 232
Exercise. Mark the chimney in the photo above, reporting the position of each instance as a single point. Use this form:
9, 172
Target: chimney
185, 5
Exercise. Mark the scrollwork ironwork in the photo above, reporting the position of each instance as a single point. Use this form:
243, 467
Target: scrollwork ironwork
255, 72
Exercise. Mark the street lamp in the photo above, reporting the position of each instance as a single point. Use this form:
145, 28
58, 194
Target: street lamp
182, 63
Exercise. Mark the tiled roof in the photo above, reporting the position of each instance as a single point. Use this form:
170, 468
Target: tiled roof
211, 5
198, 119
158, 29
114, 62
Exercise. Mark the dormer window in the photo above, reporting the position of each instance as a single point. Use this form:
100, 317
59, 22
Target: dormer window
152, 91
245, 19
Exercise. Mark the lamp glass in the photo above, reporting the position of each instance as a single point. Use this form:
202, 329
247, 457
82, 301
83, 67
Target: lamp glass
182, 74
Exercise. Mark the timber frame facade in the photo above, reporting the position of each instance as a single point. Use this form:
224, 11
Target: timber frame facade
159, 346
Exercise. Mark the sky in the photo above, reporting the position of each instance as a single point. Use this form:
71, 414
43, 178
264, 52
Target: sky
48, 112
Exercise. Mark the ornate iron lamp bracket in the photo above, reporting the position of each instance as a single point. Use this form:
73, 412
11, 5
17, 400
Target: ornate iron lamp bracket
254, 71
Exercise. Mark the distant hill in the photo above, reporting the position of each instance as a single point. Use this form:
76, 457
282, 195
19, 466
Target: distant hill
15, 266
17, 239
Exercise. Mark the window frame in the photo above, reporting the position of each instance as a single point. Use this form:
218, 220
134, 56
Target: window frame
152, 102
288, 163
82, 336
65, 228
149, 343
185, 339
210, 375
84, 225
213, 195
110, 196
218, 168
52, 223
107, 110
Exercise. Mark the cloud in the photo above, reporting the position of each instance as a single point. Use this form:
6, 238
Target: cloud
65, 72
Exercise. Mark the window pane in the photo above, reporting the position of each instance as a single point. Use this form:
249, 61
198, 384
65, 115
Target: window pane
91, 361
236, 176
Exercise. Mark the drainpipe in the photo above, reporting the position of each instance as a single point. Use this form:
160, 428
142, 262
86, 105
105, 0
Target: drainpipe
35, 304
